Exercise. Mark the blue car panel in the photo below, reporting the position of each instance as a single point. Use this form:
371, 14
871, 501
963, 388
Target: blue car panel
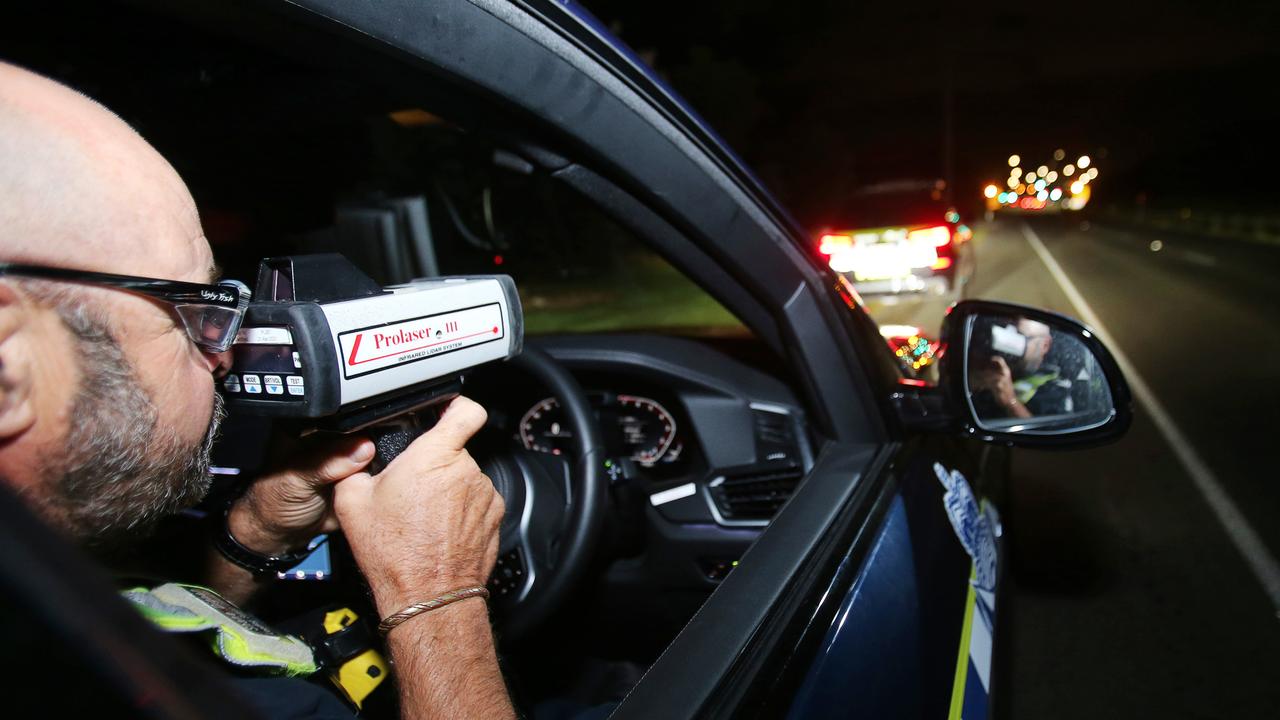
912, 636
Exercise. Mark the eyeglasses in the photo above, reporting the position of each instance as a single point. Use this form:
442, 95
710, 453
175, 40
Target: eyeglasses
211, 314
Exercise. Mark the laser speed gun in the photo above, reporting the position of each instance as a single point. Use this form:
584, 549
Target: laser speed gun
326, 345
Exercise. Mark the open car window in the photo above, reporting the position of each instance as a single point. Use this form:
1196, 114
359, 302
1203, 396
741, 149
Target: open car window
429, 198
576, 268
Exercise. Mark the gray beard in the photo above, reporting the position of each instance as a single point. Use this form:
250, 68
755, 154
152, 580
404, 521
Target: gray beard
123, 473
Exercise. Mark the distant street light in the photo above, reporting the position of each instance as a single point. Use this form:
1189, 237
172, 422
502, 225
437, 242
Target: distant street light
990, 191
1069, 170
1083, 162
1052, 176
1042, 170
1014, 160
1059, 154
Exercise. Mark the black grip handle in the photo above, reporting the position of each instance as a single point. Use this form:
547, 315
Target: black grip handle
392, 437
390, 442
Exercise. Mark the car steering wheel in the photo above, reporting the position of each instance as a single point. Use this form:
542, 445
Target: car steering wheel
555, 507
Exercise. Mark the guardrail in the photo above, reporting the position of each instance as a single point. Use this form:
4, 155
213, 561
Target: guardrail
1255, 228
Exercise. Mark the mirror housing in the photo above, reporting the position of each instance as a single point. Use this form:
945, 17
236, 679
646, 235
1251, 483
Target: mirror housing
1027, 377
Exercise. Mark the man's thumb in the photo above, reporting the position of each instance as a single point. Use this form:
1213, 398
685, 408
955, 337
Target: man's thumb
345, 460
462, 419
352, 495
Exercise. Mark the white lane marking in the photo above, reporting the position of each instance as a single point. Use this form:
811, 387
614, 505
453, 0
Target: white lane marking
1199, 258
675, 493
1242, 535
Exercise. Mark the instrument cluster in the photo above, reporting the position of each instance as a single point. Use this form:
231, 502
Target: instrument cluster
637, 428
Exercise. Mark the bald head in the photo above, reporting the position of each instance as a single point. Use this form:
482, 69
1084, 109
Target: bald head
79, 188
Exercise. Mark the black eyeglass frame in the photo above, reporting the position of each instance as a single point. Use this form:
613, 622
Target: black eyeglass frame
229, 294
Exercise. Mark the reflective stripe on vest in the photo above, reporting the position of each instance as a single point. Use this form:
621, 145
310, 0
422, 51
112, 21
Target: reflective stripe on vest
1027, 387
238, 637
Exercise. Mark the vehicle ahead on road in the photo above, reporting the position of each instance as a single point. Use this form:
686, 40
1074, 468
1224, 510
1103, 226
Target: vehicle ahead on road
900, 236
745, 504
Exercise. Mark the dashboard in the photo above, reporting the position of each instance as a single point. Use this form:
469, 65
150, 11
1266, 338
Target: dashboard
704, 442
710, 445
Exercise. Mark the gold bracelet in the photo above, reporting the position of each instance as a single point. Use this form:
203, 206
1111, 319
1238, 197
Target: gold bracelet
416, 609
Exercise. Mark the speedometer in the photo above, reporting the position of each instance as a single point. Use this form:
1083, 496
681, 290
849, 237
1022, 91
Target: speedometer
635, 427
647, 428
542, 428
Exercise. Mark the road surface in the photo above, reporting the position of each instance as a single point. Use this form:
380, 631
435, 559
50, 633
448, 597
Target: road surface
1132, 596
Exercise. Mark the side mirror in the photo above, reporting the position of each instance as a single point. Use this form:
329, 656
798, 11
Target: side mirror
1030, 377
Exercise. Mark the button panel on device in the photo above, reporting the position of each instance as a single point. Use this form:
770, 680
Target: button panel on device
283, 387
274, 385
265, 365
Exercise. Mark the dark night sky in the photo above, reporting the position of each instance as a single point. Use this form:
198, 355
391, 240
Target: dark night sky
820, 97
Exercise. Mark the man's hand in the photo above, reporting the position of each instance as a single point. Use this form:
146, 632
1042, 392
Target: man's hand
285, 509
425, 525
428, 523
995, 377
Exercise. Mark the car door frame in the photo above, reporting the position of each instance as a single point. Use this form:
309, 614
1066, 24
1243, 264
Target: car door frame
662, 172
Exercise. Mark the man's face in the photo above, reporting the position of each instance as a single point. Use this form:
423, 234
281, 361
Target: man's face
122, 470
174, 373
146, 412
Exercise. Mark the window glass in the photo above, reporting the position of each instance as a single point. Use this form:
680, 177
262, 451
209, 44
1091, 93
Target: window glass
406, 194
576, 268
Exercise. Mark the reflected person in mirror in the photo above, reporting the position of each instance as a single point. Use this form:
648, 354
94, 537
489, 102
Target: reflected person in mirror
1014, 374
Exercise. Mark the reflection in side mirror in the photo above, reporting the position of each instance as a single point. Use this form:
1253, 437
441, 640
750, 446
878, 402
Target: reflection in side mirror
1021, 375
1030, 377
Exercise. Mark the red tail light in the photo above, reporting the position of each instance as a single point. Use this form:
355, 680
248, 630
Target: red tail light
938, 236
831, 244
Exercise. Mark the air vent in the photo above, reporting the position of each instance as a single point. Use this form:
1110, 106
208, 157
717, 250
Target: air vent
755, 495
773, 428
775, 436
